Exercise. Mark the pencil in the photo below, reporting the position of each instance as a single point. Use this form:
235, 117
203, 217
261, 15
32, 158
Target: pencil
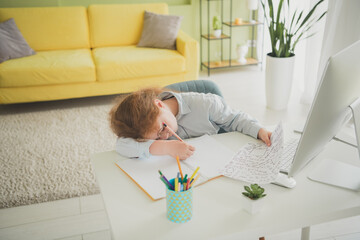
176, 185
187, 184
178, 162
163, 176
196, 170
172, 131
167, 185
193, 182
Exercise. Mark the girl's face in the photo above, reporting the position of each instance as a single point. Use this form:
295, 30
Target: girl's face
165, 116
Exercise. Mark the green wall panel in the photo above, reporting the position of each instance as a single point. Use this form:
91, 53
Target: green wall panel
189, 9
176, 7
28, 3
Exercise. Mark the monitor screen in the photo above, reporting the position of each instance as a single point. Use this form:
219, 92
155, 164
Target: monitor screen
338, 88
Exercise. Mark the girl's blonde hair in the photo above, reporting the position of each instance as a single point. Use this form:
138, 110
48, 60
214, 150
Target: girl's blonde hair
134, 115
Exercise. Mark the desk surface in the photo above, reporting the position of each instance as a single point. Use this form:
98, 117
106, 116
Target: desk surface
217, 211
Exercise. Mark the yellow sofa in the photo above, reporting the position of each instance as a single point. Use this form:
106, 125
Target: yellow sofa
90, 51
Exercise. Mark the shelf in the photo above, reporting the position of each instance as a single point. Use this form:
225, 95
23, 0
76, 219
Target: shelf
225, 63
212, 37
243, 24
226, 49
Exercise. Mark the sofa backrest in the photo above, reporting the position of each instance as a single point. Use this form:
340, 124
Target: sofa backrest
119, 24
51, 28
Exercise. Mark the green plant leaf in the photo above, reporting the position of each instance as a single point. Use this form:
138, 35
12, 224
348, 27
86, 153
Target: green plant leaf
292, 21
216, 23
284, 36
246, 194
310, 13
248, 189
279, 11
271, 10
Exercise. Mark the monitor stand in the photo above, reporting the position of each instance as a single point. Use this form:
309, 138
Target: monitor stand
338, 173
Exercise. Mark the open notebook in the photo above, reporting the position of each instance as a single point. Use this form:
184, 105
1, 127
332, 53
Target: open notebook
210, 155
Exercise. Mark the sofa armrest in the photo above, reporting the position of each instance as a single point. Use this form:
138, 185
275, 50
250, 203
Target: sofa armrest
189, 48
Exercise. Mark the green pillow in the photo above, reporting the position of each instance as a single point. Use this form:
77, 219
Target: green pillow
160, 31
12, 43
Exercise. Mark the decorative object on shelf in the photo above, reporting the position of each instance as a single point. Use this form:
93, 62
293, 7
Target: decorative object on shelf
238, 21
217, 26
227, 23
252, 199
252, 6
285, 33
242, 50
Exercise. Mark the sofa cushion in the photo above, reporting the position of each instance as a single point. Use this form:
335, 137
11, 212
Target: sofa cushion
51, 28
12, 43
116, 63
48, 68
119, 24
160, 31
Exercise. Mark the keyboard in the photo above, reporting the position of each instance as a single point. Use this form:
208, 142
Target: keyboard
288, 154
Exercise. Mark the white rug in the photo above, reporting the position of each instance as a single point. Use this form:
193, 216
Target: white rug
45, 155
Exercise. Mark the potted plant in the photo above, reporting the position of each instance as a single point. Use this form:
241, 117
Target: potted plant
286, 30
217, 26
252, 198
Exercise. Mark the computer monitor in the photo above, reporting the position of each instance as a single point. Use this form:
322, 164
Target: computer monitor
338, 89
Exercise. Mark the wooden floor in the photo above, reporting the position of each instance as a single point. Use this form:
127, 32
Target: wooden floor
85, 217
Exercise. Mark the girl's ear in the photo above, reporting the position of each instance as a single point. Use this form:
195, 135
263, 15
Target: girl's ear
159, 103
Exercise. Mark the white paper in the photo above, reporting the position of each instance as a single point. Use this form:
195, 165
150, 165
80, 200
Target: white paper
210, 155
256, 162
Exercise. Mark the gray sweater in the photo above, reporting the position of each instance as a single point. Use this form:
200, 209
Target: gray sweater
198, 114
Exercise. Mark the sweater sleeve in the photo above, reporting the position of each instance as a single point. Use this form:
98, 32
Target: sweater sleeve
130, 148
233, 120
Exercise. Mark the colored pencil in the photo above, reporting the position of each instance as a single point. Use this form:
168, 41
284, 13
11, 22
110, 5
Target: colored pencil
196, 170
172, 131
187, 184
167, 185
176, 185
193, 182
162, 175
178, 162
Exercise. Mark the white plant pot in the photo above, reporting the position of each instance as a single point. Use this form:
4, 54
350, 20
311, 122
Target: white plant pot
251, 206
278, 81
217, 33
241, 53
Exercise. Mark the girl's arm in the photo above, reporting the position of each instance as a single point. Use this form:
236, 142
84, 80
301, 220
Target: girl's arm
233, 120
172, 147
130, 148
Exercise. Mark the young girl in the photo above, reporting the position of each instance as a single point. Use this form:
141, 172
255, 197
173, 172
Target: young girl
138, 121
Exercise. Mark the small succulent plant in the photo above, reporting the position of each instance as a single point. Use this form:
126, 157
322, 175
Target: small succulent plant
254, 192
216, 23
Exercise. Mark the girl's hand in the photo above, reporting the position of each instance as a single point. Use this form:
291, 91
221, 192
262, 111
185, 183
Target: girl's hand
173, 148
264, 135
177, 148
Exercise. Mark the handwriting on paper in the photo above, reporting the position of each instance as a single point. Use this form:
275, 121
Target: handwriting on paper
256, 162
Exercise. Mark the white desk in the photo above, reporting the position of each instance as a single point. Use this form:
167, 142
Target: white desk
217, 213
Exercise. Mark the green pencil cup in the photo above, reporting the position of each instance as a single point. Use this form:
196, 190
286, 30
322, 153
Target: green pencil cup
179, 205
